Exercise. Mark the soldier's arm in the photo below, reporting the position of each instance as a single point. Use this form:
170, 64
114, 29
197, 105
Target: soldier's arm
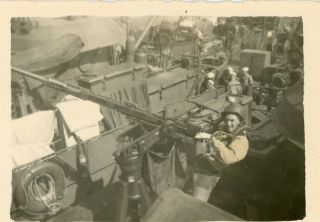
251, 81
235, 152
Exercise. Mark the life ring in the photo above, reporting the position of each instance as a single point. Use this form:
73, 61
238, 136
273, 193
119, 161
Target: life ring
40, 188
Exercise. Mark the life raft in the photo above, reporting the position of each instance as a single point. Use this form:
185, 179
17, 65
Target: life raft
40, 189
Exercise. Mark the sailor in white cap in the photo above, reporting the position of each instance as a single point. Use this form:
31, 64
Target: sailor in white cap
210, 75
235, 87
199, 36
247, 81
245, 69
208, 83
233, 74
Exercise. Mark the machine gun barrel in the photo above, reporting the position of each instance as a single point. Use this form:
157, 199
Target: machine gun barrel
85, 94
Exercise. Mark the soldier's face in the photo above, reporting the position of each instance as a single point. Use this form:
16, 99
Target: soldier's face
232, 122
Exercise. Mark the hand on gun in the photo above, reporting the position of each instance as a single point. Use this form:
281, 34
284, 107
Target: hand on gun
209, 145
217, 143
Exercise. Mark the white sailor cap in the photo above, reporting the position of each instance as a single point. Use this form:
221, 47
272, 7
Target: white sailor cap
233, 73
230, 69
210, 75
245, 69
231, 99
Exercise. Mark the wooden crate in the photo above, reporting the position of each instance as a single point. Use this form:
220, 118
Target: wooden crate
256, 60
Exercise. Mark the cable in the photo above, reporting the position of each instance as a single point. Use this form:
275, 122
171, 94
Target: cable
53, 207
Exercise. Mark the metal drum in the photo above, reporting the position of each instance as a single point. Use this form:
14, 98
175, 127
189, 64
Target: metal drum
141, 57
130, 48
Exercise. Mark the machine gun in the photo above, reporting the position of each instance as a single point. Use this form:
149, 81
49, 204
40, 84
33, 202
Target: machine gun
85, 94
128, 155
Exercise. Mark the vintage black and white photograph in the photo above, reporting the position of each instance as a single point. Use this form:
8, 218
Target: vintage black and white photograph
157, 118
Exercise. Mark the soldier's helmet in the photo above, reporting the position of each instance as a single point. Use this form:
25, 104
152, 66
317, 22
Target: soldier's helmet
236, 109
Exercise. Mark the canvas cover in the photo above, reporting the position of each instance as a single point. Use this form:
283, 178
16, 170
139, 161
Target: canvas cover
48, 54
164, 167
31, 137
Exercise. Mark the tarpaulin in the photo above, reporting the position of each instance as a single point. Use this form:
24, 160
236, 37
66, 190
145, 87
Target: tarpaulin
49, 54
163, 168
31, 137
94, 31
43, 57
81, 118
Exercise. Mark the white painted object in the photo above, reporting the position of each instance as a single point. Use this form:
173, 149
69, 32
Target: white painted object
81, 118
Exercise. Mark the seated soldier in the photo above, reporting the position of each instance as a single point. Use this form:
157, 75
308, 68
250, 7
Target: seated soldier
208, 83
226, 76
216, 151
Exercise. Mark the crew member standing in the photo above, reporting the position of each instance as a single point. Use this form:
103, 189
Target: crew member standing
200, 40
226, 146
234, 86
247, 81
230, 37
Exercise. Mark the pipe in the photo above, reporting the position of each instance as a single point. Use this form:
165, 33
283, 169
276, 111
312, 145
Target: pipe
145, 31
172, 42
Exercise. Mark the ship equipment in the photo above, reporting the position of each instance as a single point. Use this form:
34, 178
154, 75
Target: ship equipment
129, 151
127, 156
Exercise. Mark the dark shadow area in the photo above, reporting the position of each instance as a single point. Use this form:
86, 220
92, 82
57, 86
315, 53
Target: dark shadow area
269, 189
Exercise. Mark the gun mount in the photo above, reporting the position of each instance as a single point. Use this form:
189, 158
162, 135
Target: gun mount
128, 154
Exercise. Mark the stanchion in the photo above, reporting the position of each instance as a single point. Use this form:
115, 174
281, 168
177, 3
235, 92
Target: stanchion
132, 190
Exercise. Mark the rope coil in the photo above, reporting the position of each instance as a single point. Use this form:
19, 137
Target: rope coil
38, 193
